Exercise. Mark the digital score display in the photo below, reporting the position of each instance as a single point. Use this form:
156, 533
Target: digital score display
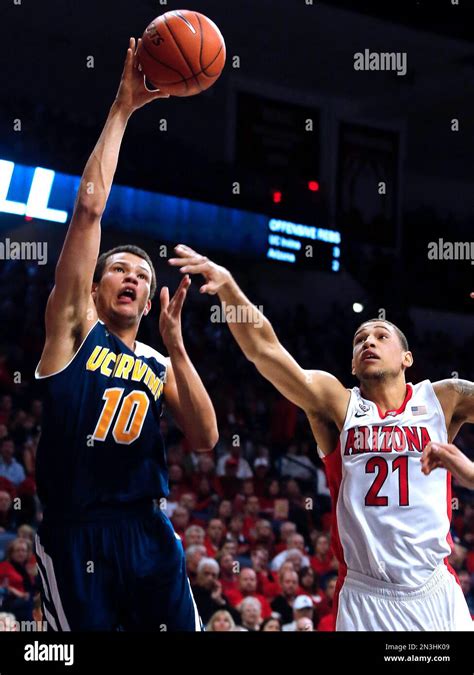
35, 193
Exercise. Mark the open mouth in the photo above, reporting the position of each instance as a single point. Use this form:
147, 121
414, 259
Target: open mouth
127, 295
370, 356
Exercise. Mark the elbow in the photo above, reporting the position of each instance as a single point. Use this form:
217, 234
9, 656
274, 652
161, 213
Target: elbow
207, 442
88, 209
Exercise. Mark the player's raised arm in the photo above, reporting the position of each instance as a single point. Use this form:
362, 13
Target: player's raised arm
316, 392
71, 295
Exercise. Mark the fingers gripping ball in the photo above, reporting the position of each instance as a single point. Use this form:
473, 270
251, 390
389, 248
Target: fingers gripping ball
182, 53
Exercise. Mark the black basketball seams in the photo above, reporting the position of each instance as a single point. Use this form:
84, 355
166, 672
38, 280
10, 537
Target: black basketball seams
152, 56
182, 53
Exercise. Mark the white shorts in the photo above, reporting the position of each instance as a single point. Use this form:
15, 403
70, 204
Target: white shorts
366, 604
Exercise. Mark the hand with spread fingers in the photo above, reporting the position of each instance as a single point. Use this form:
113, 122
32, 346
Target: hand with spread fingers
191, 262
170, 315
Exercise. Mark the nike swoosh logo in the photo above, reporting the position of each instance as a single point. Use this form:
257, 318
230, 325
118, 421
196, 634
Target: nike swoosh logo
360, 414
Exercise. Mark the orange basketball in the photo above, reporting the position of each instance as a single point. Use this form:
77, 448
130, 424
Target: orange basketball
182, 53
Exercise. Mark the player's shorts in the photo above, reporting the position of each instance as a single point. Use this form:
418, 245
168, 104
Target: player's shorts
371, 605
114, 570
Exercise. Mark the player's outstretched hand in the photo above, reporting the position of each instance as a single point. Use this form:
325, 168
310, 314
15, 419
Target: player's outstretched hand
132, 92
447, 455
191, 262
170, 315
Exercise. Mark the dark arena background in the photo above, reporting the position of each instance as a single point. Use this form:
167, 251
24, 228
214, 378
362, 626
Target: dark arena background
333, 191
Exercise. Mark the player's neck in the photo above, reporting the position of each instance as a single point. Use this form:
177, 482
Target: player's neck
388, 395
127, 335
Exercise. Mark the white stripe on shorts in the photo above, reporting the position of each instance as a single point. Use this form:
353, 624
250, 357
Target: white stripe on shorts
53, 585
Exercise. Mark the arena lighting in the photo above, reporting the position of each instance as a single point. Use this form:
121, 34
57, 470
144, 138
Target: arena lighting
37, 203
358, 307
313, 185
276, 196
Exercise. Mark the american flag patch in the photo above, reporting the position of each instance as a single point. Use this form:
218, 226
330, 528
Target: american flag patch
418, 409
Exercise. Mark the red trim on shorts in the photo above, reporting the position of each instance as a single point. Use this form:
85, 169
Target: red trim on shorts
333, 466
449, 538
408, 395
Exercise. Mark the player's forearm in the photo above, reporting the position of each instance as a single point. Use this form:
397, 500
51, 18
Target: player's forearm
98, 175
250, 328
197, 417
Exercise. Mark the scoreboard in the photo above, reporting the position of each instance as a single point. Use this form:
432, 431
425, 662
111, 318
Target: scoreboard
36, 193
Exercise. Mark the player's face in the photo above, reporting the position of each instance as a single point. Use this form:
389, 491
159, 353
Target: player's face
377, 352
124, 288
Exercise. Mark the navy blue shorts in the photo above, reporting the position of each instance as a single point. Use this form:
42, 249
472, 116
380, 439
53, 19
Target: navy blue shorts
117, 570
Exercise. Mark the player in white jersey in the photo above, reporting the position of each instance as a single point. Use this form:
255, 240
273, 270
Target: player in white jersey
390, 522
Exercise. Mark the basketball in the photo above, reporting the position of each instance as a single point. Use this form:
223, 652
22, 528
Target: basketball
182, 53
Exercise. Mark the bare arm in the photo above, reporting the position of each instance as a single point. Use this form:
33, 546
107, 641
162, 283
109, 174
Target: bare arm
446, 455
184, 390
315, 391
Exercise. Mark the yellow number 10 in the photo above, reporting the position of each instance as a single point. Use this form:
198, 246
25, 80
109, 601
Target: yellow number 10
129, 423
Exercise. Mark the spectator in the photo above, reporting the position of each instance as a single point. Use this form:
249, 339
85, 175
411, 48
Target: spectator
251, 614
221, 622
309, 584
235, 533
207, 590
243, 467
248, 588
294, 541
180, 520
323, 560
224, 511
229, 572
327, 603
230, 485
9, 467
194, 536
194, 555
7, 514
272, 624
261, 468
21, 585
264, 536
286, 529
252, 514
303, 625
302, 607
271, 493
283, 604
267, 584
466, 586
214, 537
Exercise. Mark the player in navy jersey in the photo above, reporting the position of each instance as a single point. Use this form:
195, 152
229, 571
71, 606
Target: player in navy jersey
108, 559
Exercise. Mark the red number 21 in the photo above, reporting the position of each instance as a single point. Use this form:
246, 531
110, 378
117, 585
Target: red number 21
379, 465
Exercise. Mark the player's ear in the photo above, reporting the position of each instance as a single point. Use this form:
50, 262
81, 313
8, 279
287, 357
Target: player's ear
352, 366
94, 290
407, 359
147, 307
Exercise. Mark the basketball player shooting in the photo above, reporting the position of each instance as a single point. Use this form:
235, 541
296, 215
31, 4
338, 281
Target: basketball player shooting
391, 522
107, 559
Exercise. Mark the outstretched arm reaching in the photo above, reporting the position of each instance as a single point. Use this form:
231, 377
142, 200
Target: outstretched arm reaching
447, 455
316, 392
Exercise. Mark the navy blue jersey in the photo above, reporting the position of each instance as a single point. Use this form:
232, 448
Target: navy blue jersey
100, 443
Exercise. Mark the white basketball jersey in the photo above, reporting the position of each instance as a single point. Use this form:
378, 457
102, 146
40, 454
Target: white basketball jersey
391, 522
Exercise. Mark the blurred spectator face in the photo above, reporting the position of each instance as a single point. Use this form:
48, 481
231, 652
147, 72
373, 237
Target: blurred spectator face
227, 564
286, 530
180, 518
204, 488
331, 588
19, 552
274, 488
248, 488
307, 579
322, 545
289, 584
458, 556
175, 473
215, 531
304, 624
194, 536
252, 507
5, 501
251, 614
3, 431
205, 464
193, 560
188, 500
225, 509
258, 560
26, 532
465, 581
247, 581
207, 577
272, 626
7, 450
264, 530
294, 556
296, 541
230, 547
287, 566
236, 525
6, 402
221, 622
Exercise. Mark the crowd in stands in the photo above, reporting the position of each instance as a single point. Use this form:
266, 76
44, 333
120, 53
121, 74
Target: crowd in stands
253, 515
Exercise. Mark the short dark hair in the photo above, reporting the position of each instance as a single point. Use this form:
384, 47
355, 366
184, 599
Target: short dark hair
400, 334
125, 248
